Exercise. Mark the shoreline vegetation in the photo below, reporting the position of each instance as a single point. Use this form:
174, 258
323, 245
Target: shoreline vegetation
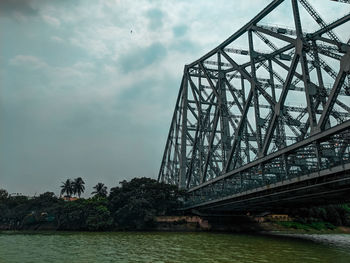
144, 204
132, 205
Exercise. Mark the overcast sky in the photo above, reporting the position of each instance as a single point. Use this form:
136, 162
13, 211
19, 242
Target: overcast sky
87, 88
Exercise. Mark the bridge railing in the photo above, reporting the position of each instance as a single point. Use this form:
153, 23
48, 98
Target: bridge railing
295, 164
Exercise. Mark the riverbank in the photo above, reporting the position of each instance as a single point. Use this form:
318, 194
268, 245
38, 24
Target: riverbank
237, 224
277, 227
244, 224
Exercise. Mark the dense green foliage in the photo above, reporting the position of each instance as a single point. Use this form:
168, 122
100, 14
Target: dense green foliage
318, 217
338, 215
308, 226
132, 205
85, 214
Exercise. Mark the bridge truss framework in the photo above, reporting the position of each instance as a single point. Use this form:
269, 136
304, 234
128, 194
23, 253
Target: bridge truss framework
257, 117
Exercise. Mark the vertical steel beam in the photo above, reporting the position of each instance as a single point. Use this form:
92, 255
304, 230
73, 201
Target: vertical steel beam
172, 124
279, 105
183, 156
332, 98
211, 140
256, 93
280, 138
246, 135
300, 50
224, 123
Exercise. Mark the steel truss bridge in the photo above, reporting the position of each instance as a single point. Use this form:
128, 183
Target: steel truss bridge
266, 125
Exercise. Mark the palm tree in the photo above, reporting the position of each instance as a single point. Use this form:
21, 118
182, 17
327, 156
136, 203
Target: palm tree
67, 187
100, 190
78, 186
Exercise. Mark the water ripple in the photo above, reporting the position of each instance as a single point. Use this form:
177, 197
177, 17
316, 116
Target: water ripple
168, 248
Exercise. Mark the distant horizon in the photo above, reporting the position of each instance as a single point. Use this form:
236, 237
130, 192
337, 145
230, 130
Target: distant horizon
85, 194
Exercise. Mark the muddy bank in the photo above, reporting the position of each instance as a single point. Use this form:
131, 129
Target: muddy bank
235, 224
242, 224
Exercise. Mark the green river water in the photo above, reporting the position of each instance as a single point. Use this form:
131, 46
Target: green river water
170, 247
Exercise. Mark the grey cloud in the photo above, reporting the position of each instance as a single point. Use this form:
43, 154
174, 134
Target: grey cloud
180, 30
141, 58
155, 17
30, 8
184, 46
62, 119
24, 7
81, 140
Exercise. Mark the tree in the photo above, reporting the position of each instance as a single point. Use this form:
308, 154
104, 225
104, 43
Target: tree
3, 194
98, 216
72, 215
134, 204
67, 187
78, 186
100, 190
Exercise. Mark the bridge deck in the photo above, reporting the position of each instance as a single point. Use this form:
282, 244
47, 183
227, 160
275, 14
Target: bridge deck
328, 186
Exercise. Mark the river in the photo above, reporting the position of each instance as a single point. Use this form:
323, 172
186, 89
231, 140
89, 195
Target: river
159, 247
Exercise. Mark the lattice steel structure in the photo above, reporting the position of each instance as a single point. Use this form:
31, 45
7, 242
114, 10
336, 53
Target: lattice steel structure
277, 109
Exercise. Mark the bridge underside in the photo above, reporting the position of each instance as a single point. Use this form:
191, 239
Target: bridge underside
321, 188
267, 125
